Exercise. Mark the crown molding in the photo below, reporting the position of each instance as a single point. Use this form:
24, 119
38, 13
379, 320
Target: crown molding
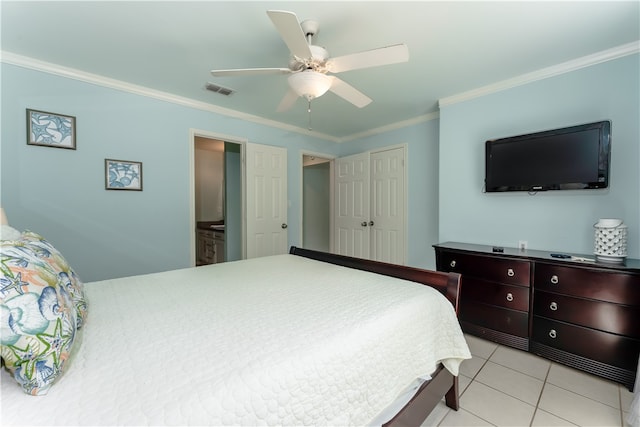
71, 73
544, 73
393, 126
573, 65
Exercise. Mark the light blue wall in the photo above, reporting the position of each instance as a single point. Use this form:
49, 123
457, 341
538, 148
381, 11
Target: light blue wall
558, 221
60, 193
105, 234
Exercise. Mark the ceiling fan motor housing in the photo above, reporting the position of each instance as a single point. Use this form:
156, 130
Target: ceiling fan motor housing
317, 62
319, 54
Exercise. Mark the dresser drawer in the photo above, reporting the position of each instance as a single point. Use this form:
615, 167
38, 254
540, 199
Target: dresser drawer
605, 316
500, 319
503, 270
597, 284
507, 296
596, 345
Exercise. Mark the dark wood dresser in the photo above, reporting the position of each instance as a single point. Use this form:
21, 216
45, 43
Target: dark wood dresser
582, 314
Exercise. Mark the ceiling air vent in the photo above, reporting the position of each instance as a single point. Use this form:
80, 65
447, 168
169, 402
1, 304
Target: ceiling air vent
219, 89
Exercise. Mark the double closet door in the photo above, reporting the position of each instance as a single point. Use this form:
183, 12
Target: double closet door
370, 206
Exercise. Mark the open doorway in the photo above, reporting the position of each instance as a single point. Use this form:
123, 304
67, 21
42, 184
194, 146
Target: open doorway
317, 202
217, 205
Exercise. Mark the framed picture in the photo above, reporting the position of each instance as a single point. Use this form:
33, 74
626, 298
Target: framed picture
123, 175
51, 129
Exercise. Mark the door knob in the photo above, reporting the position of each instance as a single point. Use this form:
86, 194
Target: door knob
364, 223
284, 226
371, 223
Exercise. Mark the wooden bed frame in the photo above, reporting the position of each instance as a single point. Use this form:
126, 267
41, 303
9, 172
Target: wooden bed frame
443, 383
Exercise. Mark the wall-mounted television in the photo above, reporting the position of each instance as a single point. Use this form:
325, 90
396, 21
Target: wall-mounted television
571, 158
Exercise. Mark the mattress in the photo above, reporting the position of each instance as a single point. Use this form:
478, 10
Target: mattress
280, 340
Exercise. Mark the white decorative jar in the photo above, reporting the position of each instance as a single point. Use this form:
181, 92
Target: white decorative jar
610, 240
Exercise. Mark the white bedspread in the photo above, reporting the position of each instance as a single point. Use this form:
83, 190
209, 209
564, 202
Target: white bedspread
278, 340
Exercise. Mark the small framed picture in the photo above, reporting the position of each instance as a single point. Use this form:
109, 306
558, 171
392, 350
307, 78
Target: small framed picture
51, 129
123, 175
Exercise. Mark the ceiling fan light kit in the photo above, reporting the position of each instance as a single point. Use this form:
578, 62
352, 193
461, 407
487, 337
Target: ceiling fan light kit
309, 64
310, 84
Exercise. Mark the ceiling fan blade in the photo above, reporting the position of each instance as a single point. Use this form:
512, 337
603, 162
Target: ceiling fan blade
349, 93
250, 72
288, 100
370, 58
291, 32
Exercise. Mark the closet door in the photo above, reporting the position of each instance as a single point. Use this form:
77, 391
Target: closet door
352, 206
370, 200
387, 224
266, 200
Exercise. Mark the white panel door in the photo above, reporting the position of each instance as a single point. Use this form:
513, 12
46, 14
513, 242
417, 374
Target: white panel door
352, 206
266, 200
387, 224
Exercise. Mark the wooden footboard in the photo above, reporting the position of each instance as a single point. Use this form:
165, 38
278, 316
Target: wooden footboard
443, 383
447, 283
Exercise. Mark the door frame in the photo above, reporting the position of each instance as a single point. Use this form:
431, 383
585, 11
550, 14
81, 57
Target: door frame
193, 133
331, 159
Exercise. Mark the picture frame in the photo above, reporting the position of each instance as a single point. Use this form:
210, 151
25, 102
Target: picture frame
51, 129
122, 175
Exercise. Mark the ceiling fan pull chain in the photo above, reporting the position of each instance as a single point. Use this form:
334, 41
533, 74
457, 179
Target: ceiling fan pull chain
309, 111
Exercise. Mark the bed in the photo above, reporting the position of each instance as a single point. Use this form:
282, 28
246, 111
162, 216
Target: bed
305, 338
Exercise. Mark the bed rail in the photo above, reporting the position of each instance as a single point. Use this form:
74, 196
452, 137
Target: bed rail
447, 283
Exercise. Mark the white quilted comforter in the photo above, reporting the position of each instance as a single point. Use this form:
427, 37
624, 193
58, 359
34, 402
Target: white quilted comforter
279, 340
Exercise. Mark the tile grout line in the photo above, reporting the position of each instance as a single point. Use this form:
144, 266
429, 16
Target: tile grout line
518, 371
545, 381
544, 384
474, 379
466, 388
591, 398
622, 423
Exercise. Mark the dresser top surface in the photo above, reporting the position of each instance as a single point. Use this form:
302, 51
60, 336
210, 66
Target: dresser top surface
629, 264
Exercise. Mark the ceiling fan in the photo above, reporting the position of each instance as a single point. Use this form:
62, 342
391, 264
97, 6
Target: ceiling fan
310, 65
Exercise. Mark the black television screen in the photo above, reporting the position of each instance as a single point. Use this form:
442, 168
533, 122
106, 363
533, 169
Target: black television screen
570, 158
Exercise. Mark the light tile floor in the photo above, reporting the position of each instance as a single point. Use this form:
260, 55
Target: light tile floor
502, 386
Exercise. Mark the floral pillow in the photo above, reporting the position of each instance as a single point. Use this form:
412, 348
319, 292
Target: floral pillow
42, 304
57, 262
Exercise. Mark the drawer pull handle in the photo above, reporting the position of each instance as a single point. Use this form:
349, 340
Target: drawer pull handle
552, 333
510, 272
553, 306
509, 297
554, 279
453, 263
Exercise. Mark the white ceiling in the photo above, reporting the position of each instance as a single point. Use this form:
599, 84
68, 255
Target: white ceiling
454, 47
